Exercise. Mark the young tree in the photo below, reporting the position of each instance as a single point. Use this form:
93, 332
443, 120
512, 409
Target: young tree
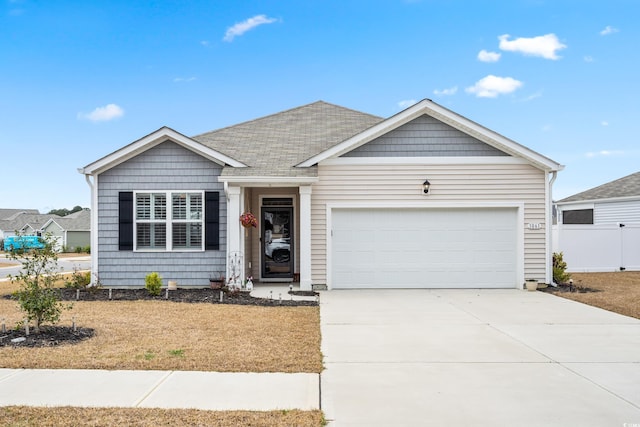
36, 295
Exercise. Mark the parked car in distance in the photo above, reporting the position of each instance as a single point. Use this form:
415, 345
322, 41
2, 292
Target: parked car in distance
278, 250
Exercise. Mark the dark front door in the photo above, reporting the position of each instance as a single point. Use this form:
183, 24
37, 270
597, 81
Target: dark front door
277, 242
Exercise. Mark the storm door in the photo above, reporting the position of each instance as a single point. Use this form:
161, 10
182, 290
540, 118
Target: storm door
277, 238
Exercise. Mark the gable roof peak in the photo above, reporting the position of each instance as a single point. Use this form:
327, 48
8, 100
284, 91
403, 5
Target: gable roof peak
451, 118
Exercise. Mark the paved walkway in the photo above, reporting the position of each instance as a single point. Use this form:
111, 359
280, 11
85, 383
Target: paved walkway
476, 358
158, 389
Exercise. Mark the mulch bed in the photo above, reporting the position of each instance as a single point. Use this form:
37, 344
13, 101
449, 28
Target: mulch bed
211, 296
49, 336
568, 288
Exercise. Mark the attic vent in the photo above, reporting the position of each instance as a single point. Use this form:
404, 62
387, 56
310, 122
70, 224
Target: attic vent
277, 202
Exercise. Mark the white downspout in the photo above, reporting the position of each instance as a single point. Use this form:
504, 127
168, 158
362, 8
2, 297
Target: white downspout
549, 226
94, 225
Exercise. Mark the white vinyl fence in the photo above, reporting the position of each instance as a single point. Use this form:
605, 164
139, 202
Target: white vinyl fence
604, 247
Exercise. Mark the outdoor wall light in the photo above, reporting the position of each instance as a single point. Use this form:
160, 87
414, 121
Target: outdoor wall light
425, 186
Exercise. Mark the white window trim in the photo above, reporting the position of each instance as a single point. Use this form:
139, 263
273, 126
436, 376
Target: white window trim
168, 221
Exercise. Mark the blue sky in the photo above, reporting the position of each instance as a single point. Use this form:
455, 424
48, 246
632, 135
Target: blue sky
79, 80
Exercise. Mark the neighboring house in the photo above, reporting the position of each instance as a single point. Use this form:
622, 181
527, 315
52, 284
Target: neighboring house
72, 231
6, 220
23, 222
599, 229
424, 199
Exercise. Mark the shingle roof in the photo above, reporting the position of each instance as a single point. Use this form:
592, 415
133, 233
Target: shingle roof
77, 221
9, 213
627, 186
20, 220
273, 145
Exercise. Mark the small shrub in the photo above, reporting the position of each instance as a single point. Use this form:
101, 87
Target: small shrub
87, 249
560, 276
79, 280
78, 249
36, 295
153, 283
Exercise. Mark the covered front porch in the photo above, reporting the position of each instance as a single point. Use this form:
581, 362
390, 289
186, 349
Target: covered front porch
278, 248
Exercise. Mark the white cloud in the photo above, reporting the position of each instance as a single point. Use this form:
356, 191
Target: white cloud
242, 27
608, 30
588, 58
446, 92
547, 128
604, 153
406, 103
204, 43
532, 97
544, 46
103, 114
604, 123
183, 79
492, 86
486, 56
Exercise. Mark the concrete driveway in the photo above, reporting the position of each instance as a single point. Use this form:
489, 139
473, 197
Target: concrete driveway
476, 358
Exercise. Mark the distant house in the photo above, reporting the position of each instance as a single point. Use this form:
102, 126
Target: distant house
14, 218
599, 229
72, 231
27, 221
340, 198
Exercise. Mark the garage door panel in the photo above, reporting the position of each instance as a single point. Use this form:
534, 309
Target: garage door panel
424, 248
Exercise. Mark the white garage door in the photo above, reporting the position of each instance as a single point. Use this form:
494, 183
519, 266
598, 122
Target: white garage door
424, 248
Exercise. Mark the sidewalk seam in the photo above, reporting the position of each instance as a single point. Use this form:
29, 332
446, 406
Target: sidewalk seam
137, 403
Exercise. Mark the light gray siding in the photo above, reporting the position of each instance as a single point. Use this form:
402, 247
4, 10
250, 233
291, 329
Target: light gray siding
425, 137
164, 167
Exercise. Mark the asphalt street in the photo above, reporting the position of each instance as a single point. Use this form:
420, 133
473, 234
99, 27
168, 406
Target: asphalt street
65, 265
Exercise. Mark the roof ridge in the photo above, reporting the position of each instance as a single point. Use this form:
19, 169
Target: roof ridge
289, 110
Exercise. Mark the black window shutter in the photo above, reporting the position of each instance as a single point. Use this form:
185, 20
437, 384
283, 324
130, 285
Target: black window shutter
212, 220
125, 221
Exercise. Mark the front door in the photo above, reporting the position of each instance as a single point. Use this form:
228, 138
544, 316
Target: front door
277, 242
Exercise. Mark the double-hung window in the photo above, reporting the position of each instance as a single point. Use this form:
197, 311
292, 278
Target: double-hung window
169, 221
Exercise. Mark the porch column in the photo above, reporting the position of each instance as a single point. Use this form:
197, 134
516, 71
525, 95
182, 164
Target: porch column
233, 224
305, 237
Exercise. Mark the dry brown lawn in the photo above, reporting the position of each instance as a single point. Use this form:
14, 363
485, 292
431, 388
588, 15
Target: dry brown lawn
177, 336
618, 292
172, 336
102, 417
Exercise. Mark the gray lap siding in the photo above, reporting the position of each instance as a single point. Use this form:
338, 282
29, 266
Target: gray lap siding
166, 166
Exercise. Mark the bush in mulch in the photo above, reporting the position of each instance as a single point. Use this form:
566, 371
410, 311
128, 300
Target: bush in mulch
49, 336
569, 288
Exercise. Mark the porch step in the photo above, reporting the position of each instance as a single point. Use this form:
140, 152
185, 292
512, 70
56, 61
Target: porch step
319, 287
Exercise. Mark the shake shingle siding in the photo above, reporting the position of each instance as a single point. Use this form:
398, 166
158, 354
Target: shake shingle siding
164, 167
425, 137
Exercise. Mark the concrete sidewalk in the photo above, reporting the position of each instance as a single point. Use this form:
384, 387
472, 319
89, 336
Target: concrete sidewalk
159, 389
